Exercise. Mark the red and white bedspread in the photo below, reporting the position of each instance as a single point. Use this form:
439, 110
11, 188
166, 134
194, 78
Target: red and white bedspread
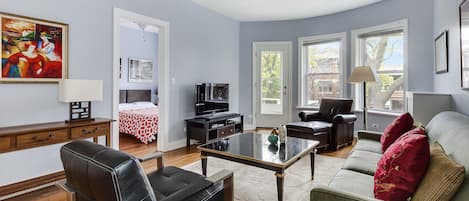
141, 123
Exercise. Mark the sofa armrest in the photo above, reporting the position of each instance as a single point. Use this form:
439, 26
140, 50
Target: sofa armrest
370, 135
324, 193
344, 118
310, 116
156, 155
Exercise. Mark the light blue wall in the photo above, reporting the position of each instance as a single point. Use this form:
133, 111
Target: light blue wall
447, 17
202, 43
138, 44
420, 53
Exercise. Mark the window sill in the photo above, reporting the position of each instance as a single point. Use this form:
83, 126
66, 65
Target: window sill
307, 108
392, 114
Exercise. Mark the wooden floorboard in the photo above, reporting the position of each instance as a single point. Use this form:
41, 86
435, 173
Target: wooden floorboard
129, 144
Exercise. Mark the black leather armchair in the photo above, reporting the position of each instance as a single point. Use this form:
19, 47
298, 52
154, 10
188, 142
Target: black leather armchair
97, 173
334, 117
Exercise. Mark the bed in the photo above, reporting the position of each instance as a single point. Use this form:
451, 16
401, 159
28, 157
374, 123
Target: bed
138, 116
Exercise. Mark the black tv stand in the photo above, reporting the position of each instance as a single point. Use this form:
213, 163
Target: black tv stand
210, 128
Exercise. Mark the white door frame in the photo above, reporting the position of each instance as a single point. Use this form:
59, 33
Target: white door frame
288, 112
163, 76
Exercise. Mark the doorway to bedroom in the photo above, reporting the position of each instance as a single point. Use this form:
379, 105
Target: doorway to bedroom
140, 72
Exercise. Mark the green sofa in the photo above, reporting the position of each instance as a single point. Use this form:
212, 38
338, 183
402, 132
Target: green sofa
355, 180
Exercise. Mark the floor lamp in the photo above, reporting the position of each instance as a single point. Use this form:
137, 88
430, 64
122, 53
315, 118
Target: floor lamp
363, 74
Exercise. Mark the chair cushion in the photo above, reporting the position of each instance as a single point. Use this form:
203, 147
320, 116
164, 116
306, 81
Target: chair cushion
353, 182
399, 126
312, 126
368, 145
402, 167
363, 161
174, 184
442, 179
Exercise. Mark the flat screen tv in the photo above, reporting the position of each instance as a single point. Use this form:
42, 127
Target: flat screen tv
211, 98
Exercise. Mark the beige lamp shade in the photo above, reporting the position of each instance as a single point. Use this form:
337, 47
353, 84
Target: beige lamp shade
80, 90
362, 74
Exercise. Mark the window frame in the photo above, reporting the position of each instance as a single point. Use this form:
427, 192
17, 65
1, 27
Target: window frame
302, 60
358, 60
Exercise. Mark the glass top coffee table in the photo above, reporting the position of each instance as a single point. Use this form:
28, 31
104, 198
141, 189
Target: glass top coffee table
255, 150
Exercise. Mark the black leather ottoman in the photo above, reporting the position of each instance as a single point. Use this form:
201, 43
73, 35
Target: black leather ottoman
313, 130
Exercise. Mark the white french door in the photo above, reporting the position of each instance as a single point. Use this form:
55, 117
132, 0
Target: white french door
272, 80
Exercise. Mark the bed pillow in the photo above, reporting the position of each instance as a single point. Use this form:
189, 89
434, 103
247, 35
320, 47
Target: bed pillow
442, 179
399, 126
402, 167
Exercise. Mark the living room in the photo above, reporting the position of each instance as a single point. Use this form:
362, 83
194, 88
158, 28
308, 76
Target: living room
208, 41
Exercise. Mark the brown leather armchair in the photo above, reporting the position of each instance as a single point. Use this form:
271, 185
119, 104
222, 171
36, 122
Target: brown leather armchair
332, 125
97, 173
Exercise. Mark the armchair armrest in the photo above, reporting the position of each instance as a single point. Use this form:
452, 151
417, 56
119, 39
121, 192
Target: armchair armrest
306, 116
324, 193
156, 155
344, 118
370, 135
227, 178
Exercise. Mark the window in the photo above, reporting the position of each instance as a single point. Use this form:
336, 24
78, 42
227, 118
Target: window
383, 48
322, 63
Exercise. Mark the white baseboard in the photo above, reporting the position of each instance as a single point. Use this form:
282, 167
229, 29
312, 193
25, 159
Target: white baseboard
178, 144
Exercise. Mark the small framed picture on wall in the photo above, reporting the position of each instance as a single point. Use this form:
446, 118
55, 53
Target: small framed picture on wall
441, 53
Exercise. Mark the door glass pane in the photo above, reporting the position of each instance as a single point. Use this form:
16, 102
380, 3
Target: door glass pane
323, 72
271, 82
385, 55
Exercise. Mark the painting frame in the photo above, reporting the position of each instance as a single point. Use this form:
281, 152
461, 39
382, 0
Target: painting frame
56, 32
142, 76
464, 43
441, 53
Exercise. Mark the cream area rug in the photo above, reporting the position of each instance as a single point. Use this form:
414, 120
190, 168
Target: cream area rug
256, 184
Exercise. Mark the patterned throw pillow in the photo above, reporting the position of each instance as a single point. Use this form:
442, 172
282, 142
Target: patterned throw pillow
399, 126
443, 178
402, 167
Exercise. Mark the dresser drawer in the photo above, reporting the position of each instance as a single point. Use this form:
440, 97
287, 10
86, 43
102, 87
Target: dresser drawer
90, 131
41, 138
5, 143
227, 131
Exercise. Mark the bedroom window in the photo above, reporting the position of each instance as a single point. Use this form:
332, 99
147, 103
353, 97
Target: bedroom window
322, 60
383, 48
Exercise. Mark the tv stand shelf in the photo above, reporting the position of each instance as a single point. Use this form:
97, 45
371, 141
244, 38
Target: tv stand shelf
207, 129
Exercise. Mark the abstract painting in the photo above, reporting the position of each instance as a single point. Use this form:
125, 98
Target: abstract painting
33, 50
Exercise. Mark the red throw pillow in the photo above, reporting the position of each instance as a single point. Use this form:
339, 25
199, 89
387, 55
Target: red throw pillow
399, 126
402, 167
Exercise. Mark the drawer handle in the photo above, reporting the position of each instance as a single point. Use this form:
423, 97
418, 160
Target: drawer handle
87, 132
36, 138
223, 133
231, 130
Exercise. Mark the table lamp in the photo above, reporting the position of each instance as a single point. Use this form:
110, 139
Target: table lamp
363, 74
80, 93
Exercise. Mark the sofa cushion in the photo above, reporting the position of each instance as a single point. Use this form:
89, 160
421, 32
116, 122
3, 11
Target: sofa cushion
402, 167
353, 182
172, 183
363, 161
368, 145
442, 179
399, 126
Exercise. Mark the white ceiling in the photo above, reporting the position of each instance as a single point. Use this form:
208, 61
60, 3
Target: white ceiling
271, 10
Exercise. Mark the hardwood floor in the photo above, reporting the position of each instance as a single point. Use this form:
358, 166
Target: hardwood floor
129, 144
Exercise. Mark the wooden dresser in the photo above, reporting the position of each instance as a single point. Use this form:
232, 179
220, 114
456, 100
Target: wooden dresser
36, 135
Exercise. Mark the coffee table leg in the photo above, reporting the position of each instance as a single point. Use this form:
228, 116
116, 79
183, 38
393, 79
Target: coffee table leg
204, 164
280, 176
312, 154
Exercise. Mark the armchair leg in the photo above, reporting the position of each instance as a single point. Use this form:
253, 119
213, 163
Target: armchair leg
227, 178
70, 194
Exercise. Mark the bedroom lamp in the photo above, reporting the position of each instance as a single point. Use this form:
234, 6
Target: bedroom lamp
363, 74
79, 94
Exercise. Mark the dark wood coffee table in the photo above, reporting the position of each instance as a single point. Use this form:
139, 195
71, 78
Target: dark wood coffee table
255, 150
